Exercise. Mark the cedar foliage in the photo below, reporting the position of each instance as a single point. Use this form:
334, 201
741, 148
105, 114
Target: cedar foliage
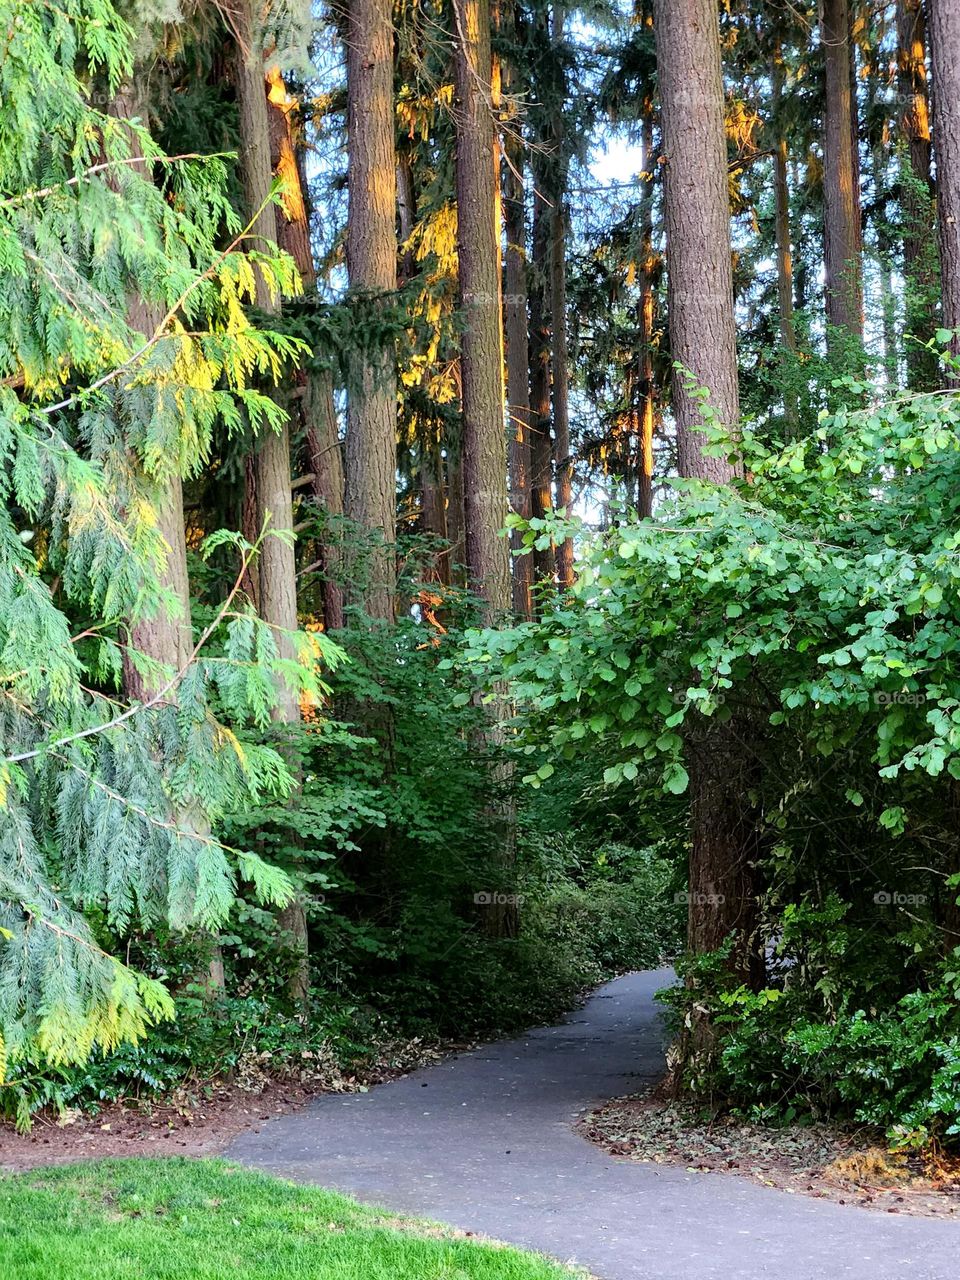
93, 418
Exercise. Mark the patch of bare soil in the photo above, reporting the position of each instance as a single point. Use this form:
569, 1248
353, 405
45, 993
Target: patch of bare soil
201, 1120
815, 1160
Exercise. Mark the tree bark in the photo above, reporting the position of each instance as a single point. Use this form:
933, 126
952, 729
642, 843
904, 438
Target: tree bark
316, 406
783, 241
563, 461
703, 338
944, 26
371, 453
697, 214
917, 190
541, 448
843, 245
781, 189
650, 270
481, 358
277, 575
325, 459
518, 355
167, 637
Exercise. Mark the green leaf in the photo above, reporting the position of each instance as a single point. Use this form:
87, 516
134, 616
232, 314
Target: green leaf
675, 779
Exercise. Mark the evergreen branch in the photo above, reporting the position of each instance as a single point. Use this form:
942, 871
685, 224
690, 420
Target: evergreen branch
158, 332
161, 695
160, 823
40, 193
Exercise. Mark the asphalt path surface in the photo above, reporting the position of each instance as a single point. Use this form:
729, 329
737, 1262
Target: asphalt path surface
484, 1141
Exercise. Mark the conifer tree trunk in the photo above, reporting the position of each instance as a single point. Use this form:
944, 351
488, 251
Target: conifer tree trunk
325, 459
277, 576
649, 268
316, 406
781, 189
703, 339
455, 518
371, 453
541, 449
917, 200
558, 315
697, 213
914, 116
167, 637
841, 175
518, 356
944, 26
481, 371
782, 237
481, 359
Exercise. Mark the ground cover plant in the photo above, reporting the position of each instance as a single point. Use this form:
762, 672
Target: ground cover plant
203, 1219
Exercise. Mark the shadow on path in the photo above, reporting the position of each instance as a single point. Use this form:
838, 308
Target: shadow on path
483, 1141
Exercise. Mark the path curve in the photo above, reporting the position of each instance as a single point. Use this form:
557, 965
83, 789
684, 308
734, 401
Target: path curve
483, 1140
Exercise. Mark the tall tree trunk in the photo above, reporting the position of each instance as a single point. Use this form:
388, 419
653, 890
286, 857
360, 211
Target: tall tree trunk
788, 334
650, 269
455, 515
917, 191
781, 190
541, 449
325, 460
703, 339
277, 575
841, 175
914, 117
167, 637
371, 455
433, 506
407, 217
944, 24
518, 355
481, 359
697, 213
316, 407
481, 370
563, 461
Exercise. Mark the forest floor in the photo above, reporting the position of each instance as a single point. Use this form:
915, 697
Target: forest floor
816, 1160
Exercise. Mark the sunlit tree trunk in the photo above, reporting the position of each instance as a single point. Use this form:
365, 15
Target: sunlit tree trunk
481, 359
781, 191
371, 454
944, 26
316, 405
841, 175
649, 269
917, 197
481, 366
914, 116
541, 447
517, 344
277, 575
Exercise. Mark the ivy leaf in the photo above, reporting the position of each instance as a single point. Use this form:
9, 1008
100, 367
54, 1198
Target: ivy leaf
675, 779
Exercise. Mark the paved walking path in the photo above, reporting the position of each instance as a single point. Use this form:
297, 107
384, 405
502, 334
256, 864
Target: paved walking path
483, 1141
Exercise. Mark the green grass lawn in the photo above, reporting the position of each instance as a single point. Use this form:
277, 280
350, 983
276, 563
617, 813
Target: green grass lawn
208, 1220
